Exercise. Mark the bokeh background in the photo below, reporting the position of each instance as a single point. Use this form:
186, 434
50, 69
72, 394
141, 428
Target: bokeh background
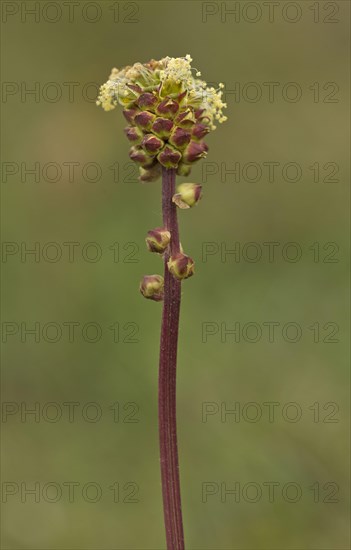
111, 439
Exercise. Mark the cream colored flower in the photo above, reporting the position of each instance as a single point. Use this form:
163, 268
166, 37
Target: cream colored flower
168, 76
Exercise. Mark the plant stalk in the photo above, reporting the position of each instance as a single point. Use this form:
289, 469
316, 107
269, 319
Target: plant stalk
167, 376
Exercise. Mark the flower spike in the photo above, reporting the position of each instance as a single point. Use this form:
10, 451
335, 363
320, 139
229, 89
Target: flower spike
169, 110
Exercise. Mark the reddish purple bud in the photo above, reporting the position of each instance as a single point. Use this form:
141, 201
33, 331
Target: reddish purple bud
180, 137
144, 120
158, 239
152, 144
186, 119
195, 151
135, 88
198, 113
200, 131
130, 114
169, 157
181, 266
137, 154
152, 287
182, 96
168, 108
162, 127
133, 134
147, 101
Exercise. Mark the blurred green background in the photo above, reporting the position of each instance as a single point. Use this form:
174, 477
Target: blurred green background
115, 382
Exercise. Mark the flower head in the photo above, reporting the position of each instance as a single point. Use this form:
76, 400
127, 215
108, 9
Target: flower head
166, 99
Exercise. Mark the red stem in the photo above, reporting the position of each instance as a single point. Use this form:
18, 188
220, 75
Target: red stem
167, 376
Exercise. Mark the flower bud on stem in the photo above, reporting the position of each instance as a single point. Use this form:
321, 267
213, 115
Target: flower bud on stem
181, 266
157, 240
151, 287
188, 195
